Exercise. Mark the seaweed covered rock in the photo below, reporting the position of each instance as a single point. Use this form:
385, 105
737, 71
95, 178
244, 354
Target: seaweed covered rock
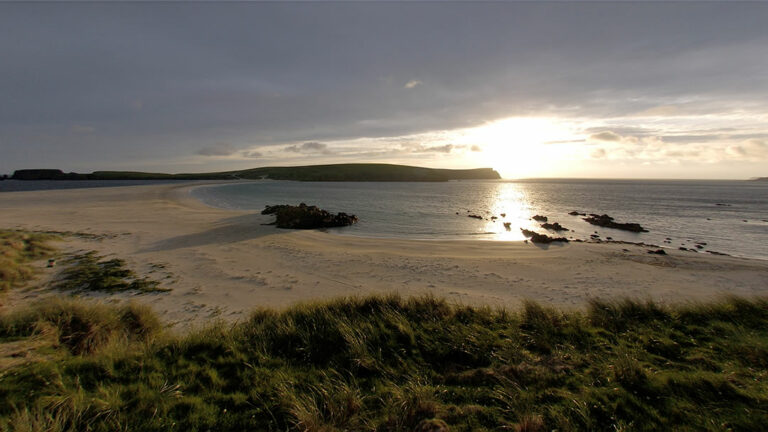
608, 222
541, 238
307, 217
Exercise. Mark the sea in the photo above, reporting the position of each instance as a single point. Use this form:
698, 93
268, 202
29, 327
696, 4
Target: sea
728, 217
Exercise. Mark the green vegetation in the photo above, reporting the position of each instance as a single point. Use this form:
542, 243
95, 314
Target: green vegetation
90, 272
388, 363
337, 172
17, 250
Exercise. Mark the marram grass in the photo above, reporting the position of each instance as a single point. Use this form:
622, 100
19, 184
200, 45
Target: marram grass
17, 250
389, 363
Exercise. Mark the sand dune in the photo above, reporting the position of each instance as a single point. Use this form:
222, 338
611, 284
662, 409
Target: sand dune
222, 263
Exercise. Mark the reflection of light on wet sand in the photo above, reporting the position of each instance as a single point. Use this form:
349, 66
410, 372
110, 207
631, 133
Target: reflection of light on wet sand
513, 202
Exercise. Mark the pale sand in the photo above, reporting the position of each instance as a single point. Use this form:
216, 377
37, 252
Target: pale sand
222, 263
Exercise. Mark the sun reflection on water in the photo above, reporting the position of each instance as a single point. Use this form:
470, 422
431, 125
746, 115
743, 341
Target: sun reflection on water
513, 203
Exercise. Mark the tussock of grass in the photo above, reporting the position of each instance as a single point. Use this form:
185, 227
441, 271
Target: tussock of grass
90, 272
82, 328
17, 250
388, 363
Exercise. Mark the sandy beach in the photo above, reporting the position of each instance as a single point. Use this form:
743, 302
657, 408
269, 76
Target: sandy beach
220, 264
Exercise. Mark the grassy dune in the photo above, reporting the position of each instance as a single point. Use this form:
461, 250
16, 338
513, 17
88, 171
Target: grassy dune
17, 250
388, 363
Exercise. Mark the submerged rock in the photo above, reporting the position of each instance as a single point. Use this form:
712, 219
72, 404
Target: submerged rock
608, 222
539, 218
575, 213
657, 252
542, 238
307, 217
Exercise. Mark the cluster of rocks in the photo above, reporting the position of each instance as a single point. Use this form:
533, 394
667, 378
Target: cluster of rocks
307, 217
542, 238
608, 222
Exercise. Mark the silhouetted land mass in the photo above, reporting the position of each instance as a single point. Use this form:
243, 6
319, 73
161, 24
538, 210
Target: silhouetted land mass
336, 172
761, 179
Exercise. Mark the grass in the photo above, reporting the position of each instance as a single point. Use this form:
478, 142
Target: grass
90, 272
389, 363
17, 250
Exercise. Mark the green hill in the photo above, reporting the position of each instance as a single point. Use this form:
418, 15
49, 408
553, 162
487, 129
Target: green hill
337, 172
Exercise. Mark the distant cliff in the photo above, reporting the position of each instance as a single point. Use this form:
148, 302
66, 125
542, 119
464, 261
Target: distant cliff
337, 172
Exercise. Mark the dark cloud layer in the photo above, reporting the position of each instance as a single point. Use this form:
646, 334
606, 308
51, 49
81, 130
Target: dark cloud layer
84, 85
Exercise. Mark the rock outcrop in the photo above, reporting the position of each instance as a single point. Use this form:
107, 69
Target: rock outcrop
554, 226
307, 217
608, 222
541, 238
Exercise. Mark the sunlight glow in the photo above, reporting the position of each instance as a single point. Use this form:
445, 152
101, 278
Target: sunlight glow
523, 146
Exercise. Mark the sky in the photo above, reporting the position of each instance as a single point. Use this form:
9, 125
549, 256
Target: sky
546, 89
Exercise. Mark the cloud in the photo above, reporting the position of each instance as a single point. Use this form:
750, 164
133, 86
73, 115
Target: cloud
605, 136
598, 153
752, 149
439, 149
251, 154
412, 83
416, 147
81, 129
309, 147
217, 149
476, 148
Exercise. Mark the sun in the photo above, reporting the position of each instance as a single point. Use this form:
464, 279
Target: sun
522, 146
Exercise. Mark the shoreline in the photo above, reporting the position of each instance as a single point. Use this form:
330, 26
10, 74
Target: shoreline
220, 264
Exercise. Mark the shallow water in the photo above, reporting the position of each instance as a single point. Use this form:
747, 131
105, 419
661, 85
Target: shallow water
33, 185
684, 211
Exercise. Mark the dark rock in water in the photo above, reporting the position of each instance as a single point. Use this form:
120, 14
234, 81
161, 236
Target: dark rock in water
575, 213
474, 216
608, 222
609, 238
505, 215
718, 253
722, 204
657, 252
539, 218
507, 225
493, 218
307, 217
683, 248
554, 226
542, 238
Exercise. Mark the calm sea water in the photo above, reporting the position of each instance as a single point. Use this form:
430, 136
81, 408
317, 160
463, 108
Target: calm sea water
683, 211
33, 185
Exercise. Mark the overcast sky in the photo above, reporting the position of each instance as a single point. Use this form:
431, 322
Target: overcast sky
675, 90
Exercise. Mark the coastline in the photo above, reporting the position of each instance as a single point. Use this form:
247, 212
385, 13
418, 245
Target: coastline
220, 264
